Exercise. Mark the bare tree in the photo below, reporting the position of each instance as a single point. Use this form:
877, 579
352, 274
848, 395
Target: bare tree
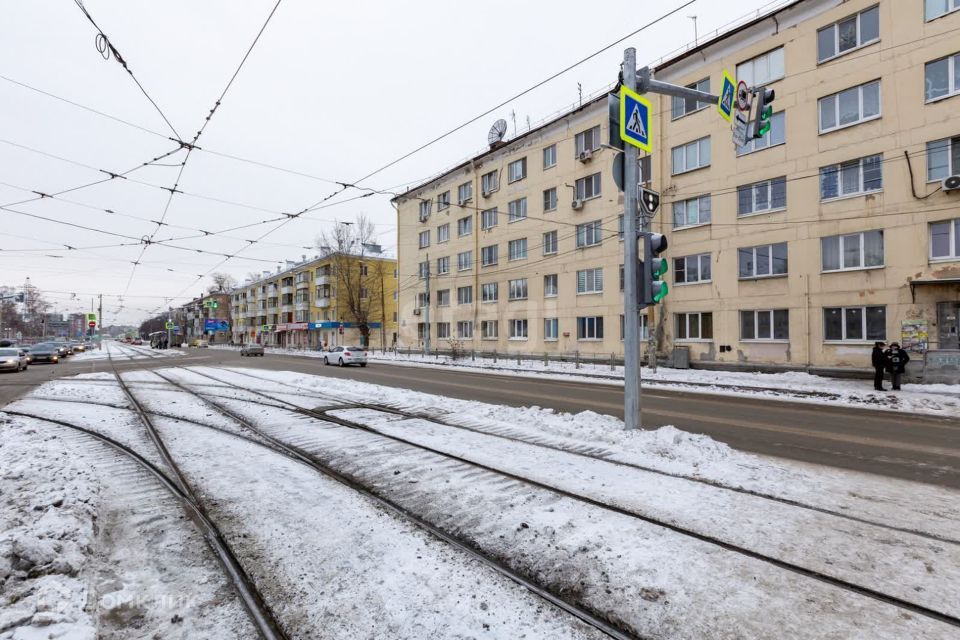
222, 282
360, 282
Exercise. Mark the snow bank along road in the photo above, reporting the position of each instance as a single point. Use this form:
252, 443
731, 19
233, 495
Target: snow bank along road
341, 509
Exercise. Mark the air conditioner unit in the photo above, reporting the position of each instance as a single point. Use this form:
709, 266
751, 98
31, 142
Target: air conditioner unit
416, 311
577, 204
585, 156
464, 201
951, 184
486, 193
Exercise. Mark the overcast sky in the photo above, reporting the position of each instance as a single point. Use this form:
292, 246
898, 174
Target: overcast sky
333, 90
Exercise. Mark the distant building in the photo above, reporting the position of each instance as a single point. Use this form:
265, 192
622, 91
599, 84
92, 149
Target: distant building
207, 317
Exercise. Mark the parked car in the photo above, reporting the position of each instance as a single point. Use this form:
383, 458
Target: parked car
202, 344
45, 352
251, 350
12, 359
343, 356
137, 342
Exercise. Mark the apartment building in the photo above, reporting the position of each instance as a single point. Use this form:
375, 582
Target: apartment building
325, 300
207, 317
799, 249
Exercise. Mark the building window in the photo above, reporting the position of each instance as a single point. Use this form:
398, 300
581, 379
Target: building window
425, 209
443, 201
694, 326
424, 269
590, 328
588, 140
936, 8
550, 242
518, 289
424, 239
848, 34
690, 156
945, 240
849, 107
443, 298
488, 255
691, 269
489, 292
443, 331
488, 329
646, 171
590, 280
423, 331
684, 106
550, 199
490, 182
518, 329
644, 327
488, 218
762, 262
763, 69
517, 170
943, 158
762, 197
851, 178
464, 226
443, 265
776, 136
854, 324
589, 234
766, 324
443, 233
853, 251
550, 287
692, 212
942, 77
588, 187
465, 295
517, 210
465, 193
550, 156
394, 316
517, 249
464, 260
551, 329
422, 299
465, 329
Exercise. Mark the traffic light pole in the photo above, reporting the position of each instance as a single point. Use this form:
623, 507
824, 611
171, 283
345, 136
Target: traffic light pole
631, 264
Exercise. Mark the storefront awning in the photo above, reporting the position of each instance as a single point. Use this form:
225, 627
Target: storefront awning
930, 282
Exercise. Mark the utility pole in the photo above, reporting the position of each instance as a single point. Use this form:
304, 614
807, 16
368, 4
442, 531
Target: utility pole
426, 312
631, 312
100, 323
168, 323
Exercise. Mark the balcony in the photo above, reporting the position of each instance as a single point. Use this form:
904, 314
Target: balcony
273, 310
287, 289
286, 308
302, 284
323, 303
322, 280
303, 305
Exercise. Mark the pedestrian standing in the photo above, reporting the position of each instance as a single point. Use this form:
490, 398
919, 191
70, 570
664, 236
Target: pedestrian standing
879, 361
897, 360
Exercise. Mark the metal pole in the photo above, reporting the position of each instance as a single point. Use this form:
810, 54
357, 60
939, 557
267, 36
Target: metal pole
426, 311
100, 324
631, 317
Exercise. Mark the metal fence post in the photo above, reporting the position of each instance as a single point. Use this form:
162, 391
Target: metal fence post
576, 358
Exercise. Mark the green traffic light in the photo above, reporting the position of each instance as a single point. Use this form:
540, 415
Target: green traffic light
661, 269
661, 291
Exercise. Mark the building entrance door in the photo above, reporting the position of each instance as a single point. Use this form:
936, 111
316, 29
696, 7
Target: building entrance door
948, 323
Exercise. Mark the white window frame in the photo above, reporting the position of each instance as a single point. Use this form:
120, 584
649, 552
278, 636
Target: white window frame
422, 299
516, 210
839, 171
517, 170
465, 292
948, 10
464, 193
465, 329
590, 281
580, 140
774, 55
489, 330
464, 222
836, 35
841, 248
488, 252
866, 339
517, 289
589, 234
443, 200
516, 249
685, 206
550, 199
424, 239
443, 297
551, 329
465, 260
774, 138
580, 187
954, 251
489, 292
423, 269
835, 98
772, 314
550, 156
519, 329
490, 182
443, 265
443, 233
767, 185
551, 243
592, 328
686, 323
488, 219
951, 147
425, 207
762, 276
953, 87
443, 331
701, 258
551, 285
644, 327
682, 103
687, 149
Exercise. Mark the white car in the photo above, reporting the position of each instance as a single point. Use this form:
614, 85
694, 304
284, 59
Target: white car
343, 356
13, 359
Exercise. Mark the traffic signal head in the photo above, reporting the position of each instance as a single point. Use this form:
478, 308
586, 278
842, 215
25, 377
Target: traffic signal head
653, 289
764, 112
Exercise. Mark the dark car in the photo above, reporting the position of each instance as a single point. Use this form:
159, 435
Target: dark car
45, 352
66, 349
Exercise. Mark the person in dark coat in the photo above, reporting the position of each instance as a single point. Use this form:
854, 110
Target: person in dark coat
897, 360
879, 361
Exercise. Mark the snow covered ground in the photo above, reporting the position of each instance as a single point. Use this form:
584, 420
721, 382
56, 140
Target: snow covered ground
636, 527
119, 351
934, 399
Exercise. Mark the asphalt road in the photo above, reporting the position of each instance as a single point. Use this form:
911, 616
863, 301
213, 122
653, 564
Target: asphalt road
908, 446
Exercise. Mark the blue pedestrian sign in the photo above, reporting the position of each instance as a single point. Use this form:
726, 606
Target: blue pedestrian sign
728, 93
635, 113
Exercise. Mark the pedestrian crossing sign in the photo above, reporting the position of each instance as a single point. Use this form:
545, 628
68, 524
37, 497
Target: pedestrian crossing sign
727, 96
635, 113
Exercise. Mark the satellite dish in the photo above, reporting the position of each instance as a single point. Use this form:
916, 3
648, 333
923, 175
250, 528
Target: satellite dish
497, 131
